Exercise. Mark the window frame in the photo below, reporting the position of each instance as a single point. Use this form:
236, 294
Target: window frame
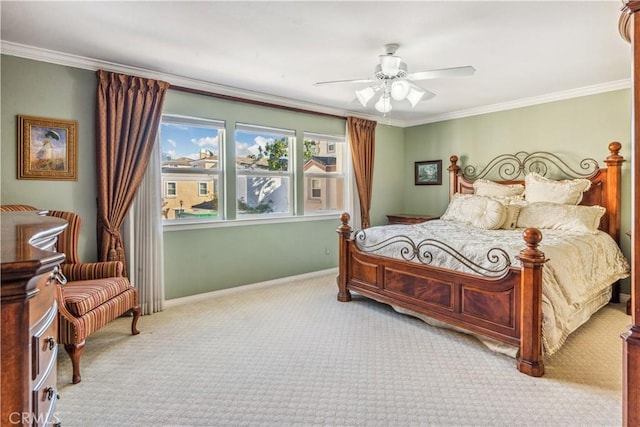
214, 173
288, 176
206, 188
330, 140
169, 184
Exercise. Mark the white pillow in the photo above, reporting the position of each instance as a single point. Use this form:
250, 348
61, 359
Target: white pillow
478, 211
511, 217
561, 216
483, 187
541, 189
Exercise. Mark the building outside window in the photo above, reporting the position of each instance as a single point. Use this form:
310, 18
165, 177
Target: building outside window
324, 174
264, 171
192, 167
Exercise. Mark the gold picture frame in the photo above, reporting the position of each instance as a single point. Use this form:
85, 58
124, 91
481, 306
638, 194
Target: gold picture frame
47, 148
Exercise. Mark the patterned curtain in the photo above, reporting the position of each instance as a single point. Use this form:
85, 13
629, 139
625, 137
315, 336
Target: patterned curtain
362, 140
129, 110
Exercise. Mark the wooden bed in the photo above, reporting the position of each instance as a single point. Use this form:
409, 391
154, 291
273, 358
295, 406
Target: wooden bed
506, 308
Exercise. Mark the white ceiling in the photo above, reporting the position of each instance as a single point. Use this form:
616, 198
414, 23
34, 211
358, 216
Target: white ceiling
524, 52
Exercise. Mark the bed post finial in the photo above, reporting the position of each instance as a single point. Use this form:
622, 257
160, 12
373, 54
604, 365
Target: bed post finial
614, 182
344, 231
453, 175
532, 260
614, 149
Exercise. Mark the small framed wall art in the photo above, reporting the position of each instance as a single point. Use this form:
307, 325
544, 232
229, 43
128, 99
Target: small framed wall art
47, 148
428, 172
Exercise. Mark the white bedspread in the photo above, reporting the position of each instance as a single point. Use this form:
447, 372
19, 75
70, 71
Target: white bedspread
576, 280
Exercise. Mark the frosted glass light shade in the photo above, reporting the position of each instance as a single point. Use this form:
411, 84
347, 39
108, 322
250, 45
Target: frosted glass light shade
414, 96
390, 65
365, 95
400, 89
384, 104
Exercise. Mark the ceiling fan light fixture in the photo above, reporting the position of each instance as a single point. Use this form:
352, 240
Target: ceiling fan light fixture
365, 95
384, 104
400, 89
415, 95
390, 65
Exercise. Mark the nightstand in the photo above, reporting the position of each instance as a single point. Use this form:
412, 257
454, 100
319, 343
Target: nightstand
408, 218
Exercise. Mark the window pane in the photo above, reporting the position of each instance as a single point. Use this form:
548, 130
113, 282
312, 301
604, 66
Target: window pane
263, 171
262, 195
324, 165
191, 167
266, 151
327, 194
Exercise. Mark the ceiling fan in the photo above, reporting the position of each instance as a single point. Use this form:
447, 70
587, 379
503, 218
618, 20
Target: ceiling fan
392, 81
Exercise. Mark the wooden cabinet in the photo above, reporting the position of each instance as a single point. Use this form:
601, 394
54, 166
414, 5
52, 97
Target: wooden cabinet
408, 218
30, 272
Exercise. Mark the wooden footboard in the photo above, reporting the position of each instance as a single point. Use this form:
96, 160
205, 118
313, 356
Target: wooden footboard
506, 308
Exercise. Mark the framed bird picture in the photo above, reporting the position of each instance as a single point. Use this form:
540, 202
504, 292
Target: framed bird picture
47, 148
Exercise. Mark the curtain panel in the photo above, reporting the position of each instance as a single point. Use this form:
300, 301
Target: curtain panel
128, 114
362, 138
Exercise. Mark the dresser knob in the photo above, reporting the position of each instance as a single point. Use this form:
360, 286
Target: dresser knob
50, 393
52, 343
57, 275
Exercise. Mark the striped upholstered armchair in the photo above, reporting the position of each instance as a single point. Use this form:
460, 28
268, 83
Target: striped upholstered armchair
95, 294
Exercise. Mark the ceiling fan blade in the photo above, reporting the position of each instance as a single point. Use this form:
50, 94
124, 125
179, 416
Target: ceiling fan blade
345, 81
443, 72
427, 95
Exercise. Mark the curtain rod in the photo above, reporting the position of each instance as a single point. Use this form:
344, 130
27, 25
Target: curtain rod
253, 102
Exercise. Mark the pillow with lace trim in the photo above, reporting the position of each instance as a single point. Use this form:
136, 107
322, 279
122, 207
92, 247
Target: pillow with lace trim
483, 187
566, 191
477, 211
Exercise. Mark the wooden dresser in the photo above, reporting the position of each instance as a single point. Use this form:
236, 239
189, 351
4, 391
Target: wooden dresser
30, 271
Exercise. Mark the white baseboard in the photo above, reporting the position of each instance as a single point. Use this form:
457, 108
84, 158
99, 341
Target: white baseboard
199, 297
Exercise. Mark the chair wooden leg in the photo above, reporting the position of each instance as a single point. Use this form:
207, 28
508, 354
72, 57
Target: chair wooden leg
75, 351
134, 323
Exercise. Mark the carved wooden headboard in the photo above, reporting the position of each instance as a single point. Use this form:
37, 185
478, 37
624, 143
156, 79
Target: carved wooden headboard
511, 168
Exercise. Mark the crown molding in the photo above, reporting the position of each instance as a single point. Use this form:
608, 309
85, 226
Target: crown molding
527, 102
75, 61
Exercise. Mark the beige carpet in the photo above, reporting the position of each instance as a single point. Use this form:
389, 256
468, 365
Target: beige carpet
290, 354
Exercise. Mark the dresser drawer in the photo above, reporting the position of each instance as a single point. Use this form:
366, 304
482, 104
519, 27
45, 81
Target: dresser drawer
39, 305
44, 347
44, 398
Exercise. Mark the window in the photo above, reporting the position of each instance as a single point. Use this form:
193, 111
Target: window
170, 189
324, 173
263, 170
192, 167
203, 189
316, 191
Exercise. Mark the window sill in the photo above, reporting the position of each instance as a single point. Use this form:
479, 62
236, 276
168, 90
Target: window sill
181, 225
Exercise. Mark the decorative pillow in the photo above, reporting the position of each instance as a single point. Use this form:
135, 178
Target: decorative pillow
511, 217
561, 217
478, 211
541, 189
483, 187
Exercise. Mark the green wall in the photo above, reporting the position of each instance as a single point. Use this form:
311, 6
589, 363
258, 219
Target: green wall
581, 126
200, 260
215, 258
46, 90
